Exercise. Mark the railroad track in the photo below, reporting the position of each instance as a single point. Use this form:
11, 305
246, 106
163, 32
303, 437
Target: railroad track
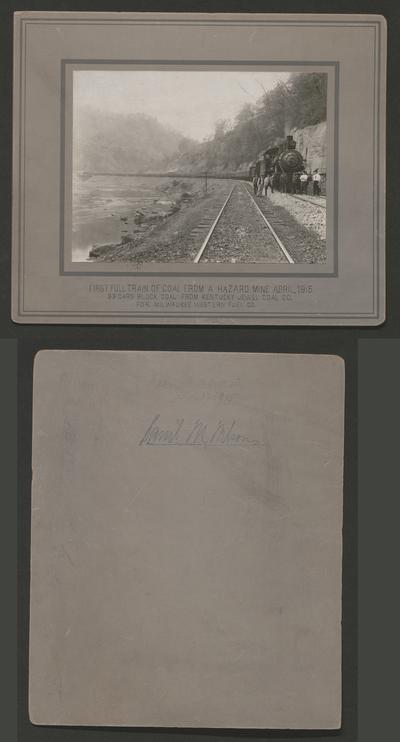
271, 229
308, 200
208, 237
213, 225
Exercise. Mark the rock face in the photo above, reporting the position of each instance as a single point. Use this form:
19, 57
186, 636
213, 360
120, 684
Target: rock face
311, 143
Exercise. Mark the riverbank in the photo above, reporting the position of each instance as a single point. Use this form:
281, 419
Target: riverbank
173, 197
110, 209
167, 231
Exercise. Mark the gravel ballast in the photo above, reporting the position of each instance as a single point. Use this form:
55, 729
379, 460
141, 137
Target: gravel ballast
293, 220
308, 214
241, 235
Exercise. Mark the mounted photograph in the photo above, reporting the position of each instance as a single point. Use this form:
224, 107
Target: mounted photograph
194, 168
198, 166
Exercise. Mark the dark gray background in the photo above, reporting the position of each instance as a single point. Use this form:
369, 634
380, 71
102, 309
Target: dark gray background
378, 412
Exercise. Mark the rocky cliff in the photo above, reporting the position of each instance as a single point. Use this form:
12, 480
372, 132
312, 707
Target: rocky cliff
311, 143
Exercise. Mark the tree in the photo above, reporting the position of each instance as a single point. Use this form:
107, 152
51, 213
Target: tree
221, 127
309, 91
245, 114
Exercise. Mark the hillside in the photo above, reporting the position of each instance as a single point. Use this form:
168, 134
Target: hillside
123, 143
298, 105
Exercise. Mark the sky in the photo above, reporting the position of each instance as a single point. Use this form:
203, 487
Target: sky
189, 101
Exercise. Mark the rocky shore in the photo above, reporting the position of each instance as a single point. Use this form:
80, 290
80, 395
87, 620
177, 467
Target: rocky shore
174, 197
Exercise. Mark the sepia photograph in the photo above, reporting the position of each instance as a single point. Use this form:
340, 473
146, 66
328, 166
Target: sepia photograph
199, 166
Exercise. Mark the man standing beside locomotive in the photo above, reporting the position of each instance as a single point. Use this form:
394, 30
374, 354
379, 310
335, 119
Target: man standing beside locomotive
296, 183
304, 182
268, 184
316, 183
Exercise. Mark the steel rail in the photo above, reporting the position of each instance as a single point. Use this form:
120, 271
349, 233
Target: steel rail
308, 201
214, 224
270, 227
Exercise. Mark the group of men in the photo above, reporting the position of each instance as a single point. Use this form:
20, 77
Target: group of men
303, 179
261, 185
298, 183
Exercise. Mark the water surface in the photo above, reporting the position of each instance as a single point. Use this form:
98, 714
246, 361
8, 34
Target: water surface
100, 201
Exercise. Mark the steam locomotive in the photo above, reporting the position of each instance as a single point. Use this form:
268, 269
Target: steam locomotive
281, 161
